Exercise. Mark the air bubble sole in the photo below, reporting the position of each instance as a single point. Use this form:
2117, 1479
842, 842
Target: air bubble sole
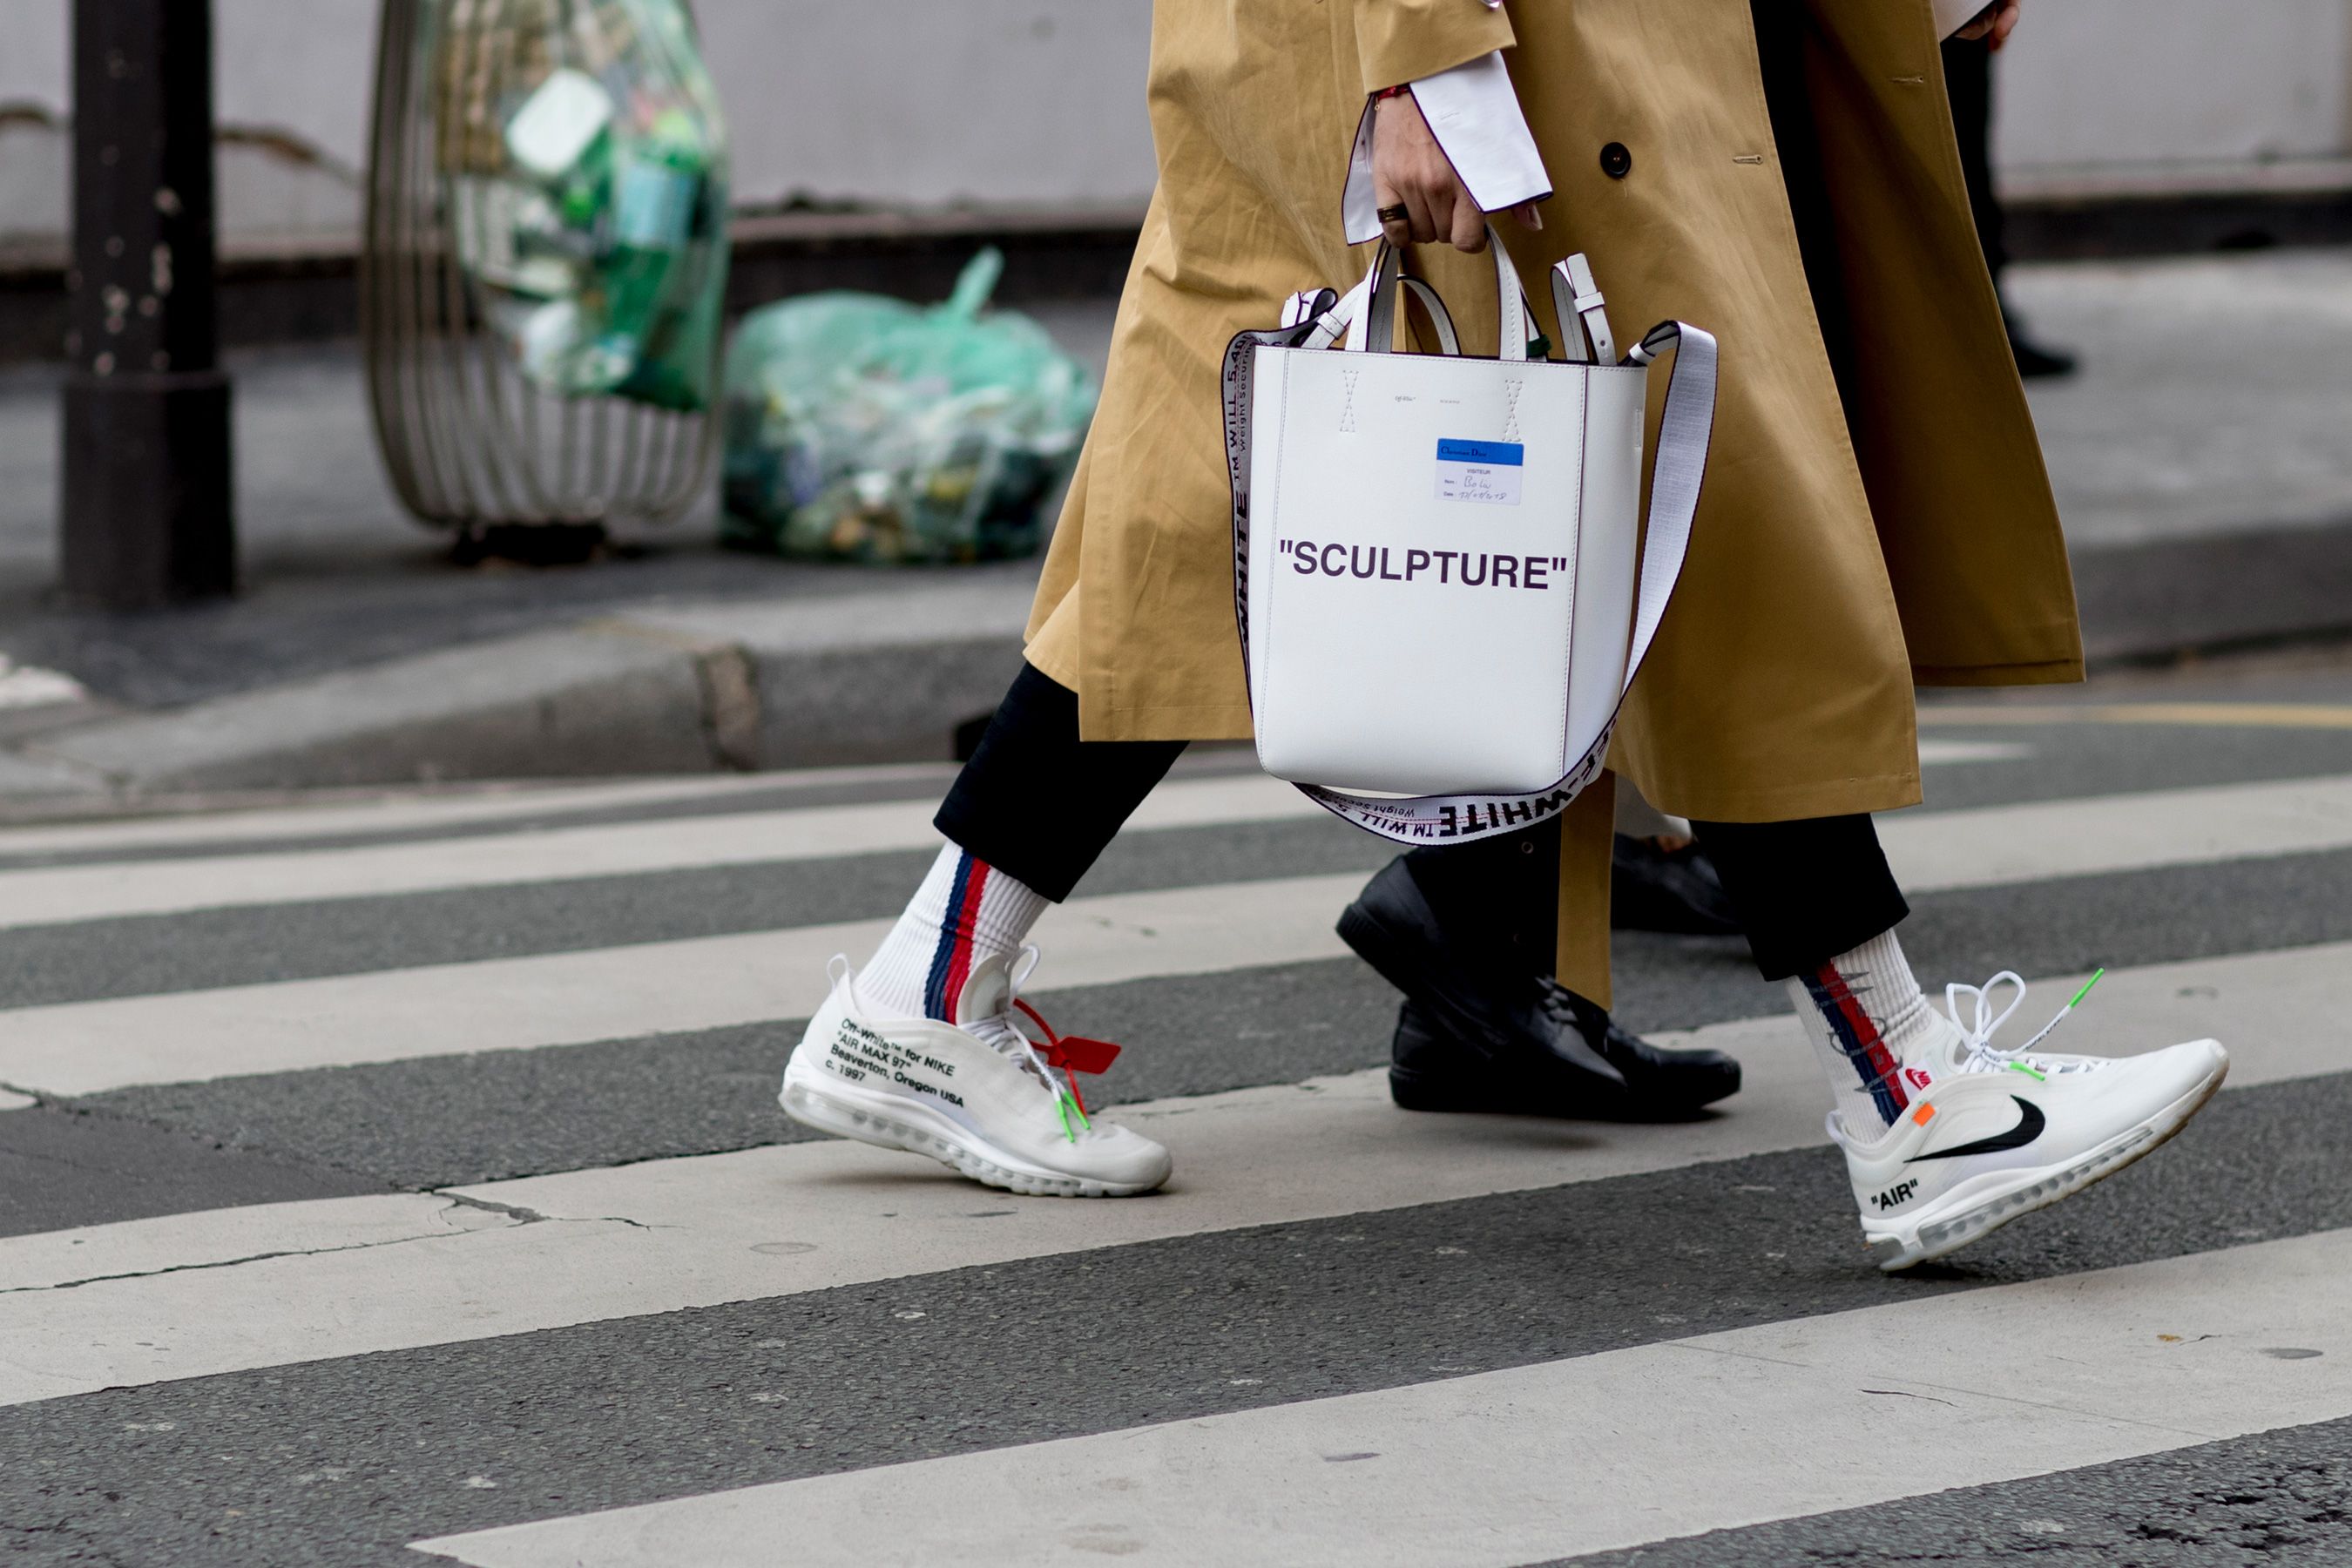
889, 1123
1929, 1236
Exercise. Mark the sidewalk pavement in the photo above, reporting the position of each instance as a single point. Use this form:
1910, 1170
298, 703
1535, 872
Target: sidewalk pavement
2200, 460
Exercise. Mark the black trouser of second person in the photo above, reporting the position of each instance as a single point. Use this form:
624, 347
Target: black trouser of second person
1967, 82
1038, 802
1805, 891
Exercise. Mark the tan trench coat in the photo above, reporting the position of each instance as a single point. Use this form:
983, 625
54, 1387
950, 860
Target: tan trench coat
1827, 573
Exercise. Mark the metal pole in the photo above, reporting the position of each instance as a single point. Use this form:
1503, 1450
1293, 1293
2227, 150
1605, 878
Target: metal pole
146, 514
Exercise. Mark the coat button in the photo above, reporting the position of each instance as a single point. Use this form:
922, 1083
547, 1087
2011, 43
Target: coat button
1615, 161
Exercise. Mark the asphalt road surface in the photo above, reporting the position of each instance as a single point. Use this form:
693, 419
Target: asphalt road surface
387, 1171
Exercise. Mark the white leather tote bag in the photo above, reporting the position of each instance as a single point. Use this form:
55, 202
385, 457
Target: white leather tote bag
1440, 572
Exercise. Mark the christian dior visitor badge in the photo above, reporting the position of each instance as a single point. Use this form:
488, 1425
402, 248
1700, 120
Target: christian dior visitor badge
1480, 471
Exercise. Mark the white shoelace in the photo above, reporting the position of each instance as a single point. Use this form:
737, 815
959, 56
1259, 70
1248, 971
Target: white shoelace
1002, 1032
1983, 1056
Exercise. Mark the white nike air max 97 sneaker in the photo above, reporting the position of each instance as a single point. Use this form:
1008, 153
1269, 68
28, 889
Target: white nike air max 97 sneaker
981, 1094
1983, 1135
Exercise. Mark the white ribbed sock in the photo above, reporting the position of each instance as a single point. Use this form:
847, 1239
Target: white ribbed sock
1868, 1018
966, 912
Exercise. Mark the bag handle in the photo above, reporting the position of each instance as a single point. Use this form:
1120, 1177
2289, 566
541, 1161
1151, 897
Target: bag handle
1686, 430
1373, 304
1381, 286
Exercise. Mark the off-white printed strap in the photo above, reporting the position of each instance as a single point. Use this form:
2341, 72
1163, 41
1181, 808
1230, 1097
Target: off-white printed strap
1685, 429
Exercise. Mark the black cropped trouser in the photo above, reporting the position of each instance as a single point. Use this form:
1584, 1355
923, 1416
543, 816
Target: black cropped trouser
1038, 802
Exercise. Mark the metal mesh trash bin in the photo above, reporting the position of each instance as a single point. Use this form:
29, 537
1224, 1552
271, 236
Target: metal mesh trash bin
543, 266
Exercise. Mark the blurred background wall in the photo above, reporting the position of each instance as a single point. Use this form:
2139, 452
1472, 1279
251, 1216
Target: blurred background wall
1037, 103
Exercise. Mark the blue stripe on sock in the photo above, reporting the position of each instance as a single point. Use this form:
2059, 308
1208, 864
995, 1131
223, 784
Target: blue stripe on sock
1857, 1051
937, 1004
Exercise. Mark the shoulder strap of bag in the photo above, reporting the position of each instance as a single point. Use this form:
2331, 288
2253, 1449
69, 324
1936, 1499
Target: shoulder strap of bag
1576, 300
1685, 429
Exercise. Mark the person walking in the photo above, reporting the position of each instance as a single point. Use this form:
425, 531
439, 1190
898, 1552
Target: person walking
1968, 78
1877, 513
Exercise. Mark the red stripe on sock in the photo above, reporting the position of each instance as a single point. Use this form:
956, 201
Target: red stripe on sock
966, 928
1865, 1033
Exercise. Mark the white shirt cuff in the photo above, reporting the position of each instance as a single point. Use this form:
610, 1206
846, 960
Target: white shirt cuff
1951, 15
1474, 114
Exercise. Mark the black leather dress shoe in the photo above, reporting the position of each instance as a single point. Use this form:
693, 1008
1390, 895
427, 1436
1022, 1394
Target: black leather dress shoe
1671, 890
1479, 1032
1484, 1006
1658, 1081
1431, 1071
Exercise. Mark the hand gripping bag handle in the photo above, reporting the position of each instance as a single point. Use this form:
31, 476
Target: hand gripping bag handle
1685, 429
1388, 279
1367, 316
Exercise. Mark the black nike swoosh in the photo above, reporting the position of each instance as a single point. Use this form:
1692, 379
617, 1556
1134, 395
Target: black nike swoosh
2030, 1124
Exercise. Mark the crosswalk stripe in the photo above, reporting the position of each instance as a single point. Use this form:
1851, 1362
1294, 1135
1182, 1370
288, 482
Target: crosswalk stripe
213, 1238
571, 998
1598, 1452
45, 895
667, 1235
327, 815
48, 896
1935, 752
330, 813
1992, 846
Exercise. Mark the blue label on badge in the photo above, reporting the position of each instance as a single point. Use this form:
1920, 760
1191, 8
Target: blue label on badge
1487, 471
1495, 454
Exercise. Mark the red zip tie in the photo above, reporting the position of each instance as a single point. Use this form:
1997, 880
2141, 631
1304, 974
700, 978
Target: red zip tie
1074, 1053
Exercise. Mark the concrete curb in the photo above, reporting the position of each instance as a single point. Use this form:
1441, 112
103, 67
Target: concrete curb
889, 677
2157, 597
884, 677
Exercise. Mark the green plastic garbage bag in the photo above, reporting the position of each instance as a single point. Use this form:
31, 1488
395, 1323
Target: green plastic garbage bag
866, 428
587, 164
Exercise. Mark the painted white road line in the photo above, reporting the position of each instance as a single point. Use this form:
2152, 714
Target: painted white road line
213, 1238
327, 814
666, 1234
706, 983
2002, 843
45, 896
1593, 1454
53, 895
1936, 752
614, 993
